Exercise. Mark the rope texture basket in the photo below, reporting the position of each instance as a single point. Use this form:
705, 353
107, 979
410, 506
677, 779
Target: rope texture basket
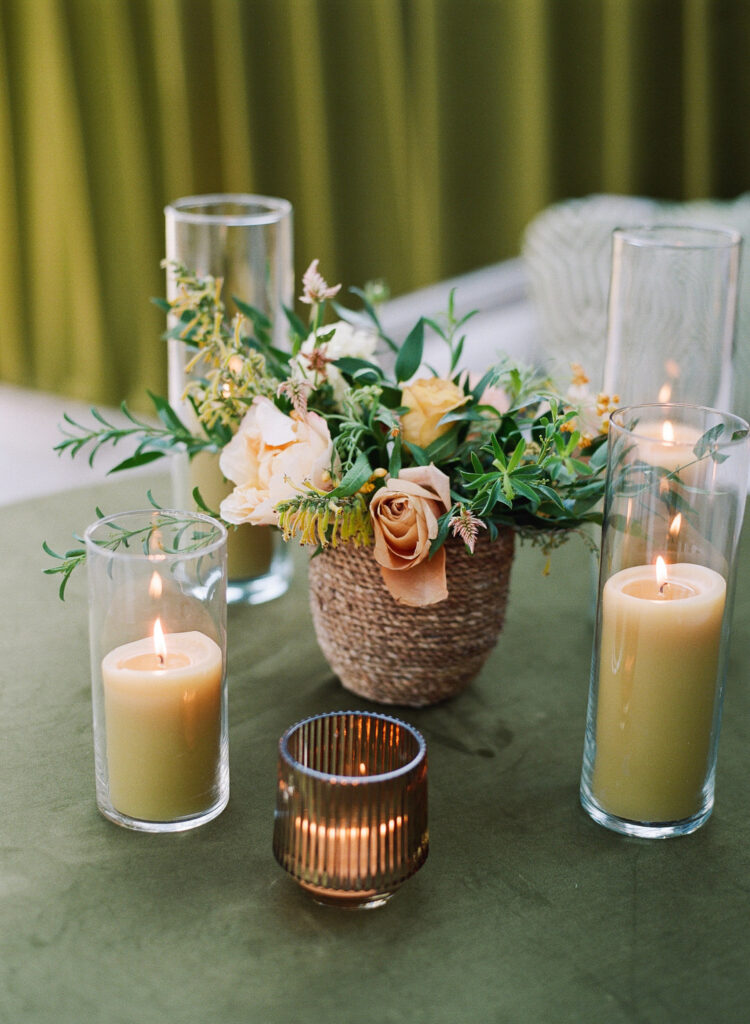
395, 654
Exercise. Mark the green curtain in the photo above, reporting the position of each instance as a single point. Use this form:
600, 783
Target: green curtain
415, 138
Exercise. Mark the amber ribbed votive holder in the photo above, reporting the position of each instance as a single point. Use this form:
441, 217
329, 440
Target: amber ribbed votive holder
351, 806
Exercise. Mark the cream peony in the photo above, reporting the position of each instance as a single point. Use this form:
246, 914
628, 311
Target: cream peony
268, 456
404, 516
428, 400
354, 342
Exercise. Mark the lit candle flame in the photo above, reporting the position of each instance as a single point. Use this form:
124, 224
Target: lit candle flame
155, 586
665, 392
674, 526
667, 431
661, 573
160, 645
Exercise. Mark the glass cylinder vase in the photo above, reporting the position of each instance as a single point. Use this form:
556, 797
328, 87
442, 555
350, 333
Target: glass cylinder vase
157, 624
674, 503
246, 242
671, 315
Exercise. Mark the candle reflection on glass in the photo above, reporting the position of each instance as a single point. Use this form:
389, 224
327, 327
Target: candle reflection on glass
671, 448
348, 851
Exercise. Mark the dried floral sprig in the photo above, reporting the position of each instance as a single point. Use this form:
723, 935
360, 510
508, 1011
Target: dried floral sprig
315, 289
466, 526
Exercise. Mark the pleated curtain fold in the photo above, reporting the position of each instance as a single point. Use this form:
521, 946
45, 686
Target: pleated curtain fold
415, 138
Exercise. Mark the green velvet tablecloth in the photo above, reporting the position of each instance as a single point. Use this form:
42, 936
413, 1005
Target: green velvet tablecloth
524, 911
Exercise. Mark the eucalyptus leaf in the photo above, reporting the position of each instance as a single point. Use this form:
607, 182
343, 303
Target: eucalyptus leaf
166, 414
706, 440
299, 327
394, 462
362, 370
409, 358
354, 479
141, 459
417, 453
442, 447
255, 315
444, 525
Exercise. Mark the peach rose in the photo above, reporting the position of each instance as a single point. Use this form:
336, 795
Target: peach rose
404, 516
428, 399
268, 456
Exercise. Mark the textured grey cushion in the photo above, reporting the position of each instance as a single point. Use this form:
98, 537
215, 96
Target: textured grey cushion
567, 254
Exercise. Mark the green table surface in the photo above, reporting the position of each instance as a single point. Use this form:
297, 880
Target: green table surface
525, 910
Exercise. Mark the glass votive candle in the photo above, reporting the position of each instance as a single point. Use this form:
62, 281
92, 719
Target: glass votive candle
674, 503
351, 806
157, 623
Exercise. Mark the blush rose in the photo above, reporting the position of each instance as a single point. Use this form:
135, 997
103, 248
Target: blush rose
269, 458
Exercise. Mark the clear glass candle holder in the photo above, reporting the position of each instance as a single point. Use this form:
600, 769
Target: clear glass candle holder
245, 241
157, 623
671, 315
674, 503
351, 806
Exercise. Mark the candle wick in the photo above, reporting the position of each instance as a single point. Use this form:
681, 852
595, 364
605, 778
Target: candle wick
661, 588
160, 656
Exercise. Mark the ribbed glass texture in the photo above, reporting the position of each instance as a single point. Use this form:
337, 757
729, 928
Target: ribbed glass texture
351, 808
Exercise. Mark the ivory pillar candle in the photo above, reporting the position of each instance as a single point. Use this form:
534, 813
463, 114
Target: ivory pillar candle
658, 670
162, 710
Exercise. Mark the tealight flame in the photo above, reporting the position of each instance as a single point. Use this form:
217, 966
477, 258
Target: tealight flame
155, 586
667, 431
160, 645
661, 573
665, 392
674, 526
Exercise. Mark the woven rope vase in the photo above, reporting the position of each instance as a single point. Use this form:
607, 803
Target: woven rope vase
395, 654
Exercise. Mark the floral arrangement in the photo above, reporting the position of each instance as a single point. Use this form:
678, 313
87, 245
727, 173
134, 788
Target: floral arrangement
350, 438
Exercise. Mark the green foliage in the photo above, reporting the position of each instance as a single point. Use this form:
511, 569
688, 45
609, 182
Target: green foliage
68, 562
524, 463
